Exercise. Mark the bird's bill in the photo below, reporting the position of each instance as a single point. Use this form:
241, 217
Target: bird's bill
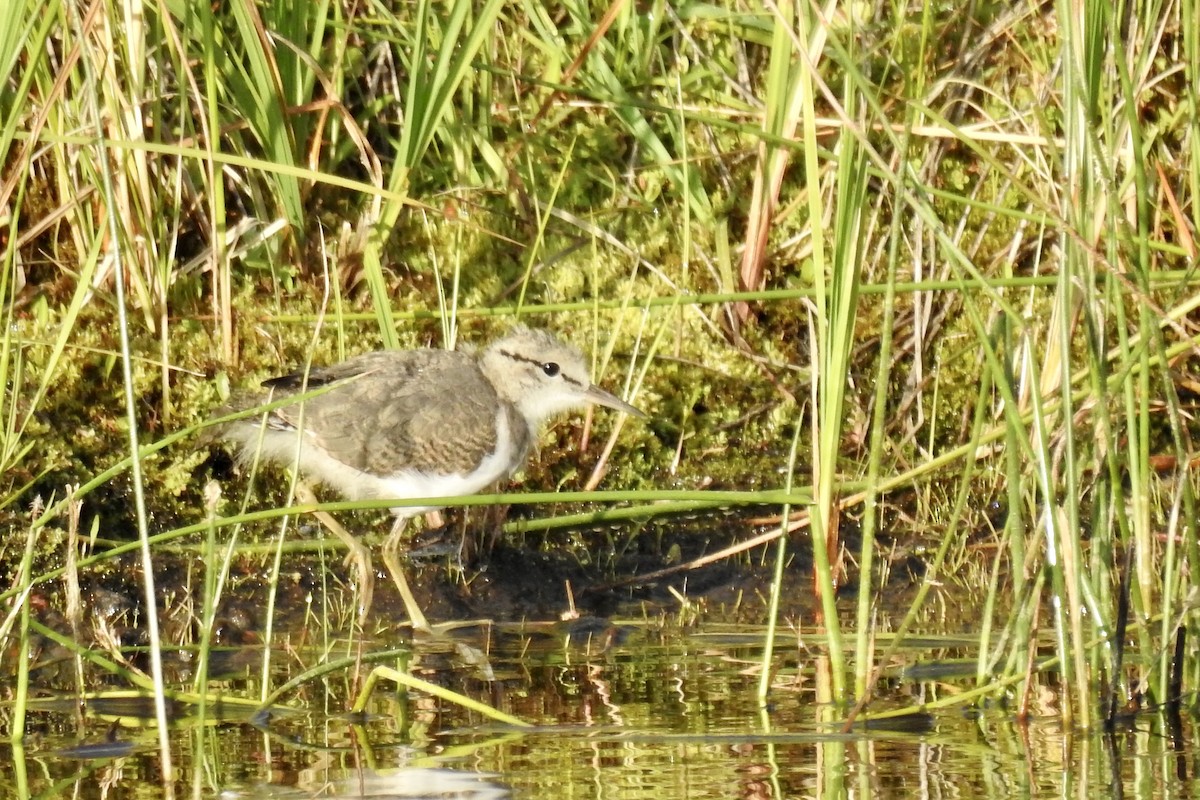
595, 394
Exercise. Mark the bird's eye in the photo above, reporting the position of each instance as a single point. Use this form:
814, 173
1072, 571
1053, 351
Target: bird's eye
551, 369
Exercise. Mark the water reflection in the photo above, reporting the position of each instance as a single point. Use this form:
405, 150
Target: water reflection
628, 711
411, 782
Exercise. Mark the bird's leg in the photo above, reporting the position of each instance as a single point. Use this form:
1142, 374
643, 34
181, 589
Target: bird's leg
391, 558
358, 555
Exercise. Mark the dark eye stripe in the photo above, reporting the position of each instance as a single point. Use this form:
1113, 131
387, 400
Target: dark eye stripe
549, 368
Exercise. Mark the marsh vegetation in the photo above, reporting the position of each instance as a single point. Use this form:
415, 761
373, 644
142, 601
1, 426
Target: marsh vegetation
906, 291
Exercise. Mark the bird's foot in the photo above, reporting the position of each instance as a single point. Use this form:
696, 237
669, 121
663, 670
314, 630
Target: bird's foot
391, 559
360, 558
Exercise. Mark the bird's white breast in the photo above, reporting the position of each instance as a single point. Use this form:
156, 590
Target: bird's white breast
356, 484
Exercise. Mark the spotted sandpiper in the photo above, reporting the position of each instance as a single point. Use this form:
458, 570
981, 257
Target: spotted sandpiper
427, 423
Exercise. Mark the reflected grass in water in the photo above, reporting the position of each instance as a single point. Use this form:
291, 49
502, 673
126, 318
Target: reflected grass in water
667, 713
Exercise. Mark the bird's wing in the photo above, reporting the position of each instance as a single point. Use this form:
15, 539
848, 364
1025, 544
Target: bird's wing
425, 410
410, 362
